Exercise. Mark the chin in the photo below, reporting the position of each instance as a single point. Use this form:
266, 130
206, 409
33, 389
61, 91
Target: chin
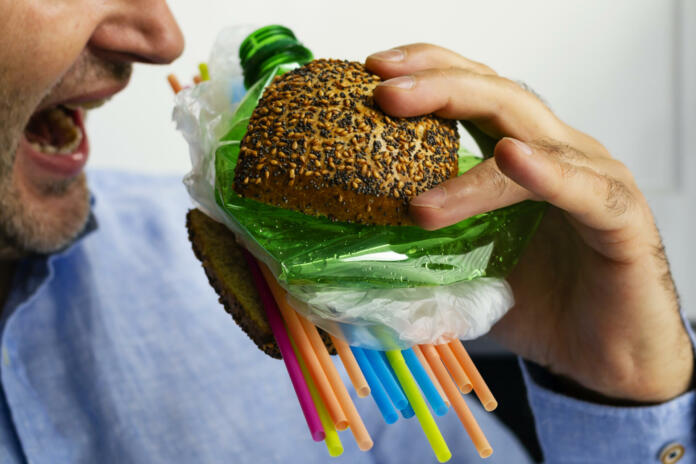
43, 219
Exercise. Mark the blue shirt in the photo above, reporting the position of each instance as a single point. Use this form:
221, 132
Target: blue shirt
116, 350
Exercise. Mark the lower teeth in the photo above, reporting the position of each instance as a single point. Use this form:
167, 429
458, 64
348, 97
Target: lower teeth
65, 123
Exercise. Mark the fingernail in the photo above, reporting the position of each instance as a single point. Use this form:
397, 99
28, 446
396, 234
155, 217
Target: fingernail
526, 149
401, 82
434, 198
388, 55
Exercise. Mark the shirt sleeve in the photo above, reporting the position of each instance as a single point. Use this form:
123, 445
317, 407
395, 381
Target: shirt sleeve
575, 431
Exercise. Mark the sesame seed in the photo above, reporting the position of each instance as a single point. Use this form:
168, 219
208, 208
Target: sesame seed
320, 122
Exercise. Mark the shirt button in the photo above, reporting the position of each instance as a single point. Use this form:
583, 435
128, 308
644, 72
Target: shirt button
671, 453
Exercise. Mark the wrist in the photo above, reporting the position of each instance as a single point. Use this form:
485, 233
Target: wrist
654, 377
621, 398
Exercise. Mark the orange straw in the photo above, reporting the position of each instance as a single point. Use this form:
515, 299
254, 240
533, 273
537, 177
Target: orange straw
454, 368
174, 83
480, 388
458, 404
197, 79
351, 365
362, 437
419, 354
298, 334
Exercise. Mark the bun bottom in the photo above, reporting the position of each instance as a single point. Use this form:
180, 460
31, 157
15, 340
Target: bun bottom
223, 261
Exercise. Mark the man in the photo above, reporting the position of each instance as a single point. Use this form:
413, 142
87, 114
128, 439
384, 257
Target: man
112, 350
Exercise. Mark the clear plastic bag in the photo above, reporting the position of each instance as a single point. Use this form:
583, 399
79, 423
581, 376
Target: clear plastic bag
380, 287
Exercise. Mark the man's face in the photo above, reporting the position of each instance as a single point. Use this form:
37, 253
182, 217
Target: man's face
58, 58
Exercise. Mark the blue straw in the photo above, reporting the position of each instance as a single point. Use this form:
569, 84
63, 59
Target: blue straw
424, 382
376, 390
408, 411
387, 378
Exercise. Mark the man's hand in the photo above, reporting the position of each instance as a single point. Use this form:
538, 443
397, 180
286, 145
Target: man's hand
595, 300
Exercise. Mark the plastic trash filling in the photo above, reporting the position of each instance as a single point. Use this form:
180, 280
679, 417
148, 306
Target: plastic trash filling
378, 287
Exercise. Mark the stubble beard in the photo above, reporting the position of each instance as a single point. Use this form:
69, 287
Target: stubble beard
38, 218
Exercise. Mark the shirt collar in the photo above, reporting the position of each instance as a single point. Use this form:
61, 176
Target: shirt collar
34, 270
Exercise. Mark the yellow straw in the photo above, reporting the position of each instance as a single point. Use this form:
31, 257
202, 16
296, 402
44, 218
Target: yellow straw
333, 443
432, 433
203, 68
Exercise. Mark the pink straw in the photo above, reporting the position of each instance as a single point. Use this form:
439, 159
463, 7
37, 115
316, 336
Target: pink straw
291, 363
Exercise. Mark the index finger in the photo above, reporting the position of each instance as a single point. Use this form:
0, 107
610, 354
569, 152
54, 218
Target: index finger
407, 59
496, 105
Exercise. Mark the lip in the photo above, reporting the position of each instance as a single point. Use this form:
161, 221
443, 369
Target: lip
100, 94
92, 95
64, 166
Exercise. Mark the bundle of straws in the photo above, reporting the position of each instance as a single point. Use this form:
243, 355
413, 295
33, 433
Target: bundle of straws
393, 378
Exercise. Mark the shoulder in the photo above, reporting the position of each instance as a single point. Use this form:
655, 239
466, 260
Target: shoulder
121, 188
139, 199
141, 212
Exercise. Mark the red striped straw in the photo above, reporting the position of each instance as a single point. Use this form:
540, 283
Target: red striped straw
291, 363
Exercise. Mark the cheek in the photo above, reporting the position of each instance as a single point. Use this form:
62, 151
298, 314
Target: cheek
46, 37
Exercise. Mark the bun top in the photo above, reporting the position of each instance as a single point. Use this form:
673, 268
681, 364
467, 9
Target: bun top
317, 143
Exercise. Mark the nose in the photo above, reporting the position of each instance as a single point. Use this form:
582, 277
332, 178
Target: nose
138, 30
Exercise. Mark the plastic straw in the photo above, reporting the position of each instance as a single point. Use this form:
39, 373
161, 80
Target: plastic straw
424, 382
351, 366
457, 401
203, 68
432, 433
333, 443
388, 381
480, 387
408, 411
454, 368
174, 83
197, 79
376, 389
357, 427
308, 354
419, 354
291, 362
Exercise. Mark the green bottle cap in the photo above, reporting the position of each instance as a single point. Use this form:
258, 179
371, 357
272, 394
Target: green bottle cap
268, 47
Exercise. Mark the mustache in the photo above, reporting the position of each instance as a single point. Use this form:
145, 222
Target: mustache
86, 70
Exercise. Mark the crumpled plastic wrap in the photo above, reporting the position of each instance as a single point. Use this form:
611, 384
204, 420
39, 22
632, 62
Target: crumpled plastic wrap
379, 287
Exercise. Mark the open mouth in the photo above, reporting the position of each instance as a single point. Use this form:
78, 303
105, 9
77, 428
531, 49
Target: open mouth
56, 131
55, 139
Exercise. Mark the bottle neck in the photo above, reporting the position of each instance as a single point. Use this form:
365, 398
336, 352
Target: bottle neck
268, 47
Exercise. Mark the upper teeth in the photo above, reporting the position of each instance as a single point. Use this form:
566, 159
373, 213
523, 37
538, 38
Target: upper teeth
88, 105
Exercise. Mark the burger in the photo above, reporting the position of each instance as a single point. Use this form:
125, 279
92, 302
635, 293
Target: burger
318, 144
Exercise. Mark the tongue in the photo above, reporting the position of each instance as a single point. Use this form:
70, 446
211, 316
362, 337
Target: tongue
54, 127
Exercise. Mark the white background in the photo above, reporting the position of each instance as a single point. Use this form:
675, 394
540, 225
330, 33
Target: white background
623, 71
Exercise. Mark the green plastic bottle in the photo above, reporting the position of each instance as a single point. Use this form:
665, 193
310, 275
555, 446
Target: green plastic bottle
264, 54
270, 47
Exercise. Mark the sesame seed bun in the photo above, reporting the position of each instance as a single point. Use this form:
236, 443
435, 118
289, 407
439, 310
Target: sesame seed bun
317, 143
216, 248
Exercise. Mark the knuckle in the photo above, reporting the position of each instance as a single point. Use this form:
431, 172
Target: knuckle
618, 196
491, 177
568, 171
561, 151
623, 172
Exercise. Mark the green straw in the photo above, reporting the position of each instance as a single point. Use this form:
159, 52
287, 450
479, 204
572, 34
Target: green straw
203, 68
333, 443
432, 433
